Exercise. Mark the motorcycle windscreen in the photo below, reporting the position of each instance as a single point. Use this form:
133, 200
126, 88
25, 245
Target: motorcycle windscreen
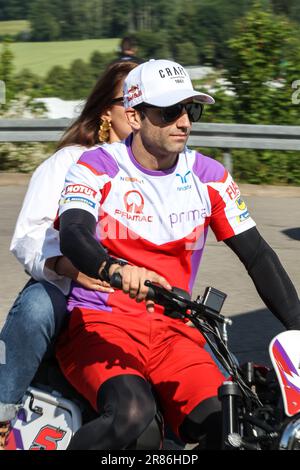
284, 351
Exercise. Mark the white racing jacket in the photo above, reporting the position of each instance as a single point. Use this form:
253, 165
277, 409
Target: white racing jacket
35, 239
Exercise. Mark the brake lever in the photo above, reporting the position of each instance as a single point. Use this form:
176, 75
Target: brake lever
197, 310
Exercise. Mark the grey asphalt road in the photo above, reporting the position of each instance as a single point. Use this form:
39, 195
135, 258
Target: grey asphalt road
276, 211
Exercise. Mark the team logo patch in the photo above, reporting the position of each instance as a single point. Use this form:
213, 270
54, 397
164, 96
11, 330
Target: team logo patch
83, 200
184, 181
80, 188
129, 179
244, 216
241, 204
183, 177
134, 202
134, 205
233, 190
134, 92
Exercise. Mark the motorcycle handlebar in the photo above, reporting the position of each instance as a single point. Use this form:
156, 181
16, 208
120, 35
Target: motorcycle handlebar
116, 282
176, 300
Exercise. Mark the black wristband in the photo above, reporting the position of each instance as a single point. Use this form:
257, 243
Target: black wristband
104, 275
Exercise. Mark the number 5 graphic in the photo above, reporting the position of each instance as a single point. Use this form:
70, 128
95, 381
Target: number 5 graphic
47, 438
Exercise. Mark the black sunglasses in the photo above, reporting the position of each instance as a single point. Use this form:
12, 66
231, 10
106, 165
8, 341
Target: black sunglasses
117, 100
171, 113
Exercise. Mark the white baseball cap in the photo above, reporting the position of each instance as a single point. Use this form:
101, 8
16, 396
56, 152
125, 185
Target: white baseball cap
160, 83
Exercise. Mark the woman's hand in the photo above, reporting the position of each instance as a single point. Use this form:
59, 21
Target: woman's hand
64, 267
91, 283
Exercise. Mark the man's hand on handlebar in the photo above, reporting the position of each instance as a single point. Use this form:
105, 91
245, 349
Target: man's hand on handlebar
133, 279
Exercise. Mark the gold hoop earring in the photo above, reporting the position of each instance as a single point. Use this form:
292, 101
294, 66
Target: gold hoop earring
103, 133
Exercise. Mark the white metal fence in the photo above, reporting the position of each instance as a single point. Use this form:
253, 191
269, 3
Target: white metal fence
203, 134
225, 136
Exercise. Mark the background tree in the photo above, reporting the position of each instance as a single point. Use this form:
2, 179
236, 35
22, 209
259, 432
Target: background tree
97, 64
81, 78
6, 70
202, 22
28, 84
153, 45
290, 8
264, 61
43, 19
186, 53
81, 20
58, 83
14, 9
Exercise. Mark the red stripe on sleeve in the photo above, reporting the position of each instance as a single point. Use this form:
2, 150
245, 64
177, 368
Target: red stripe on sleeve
218, 221
105, 191
92, 169
222, 180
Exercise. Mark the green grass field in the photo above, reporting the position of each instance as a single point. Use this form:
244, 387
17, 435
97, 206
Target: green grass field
14, 27
40, 57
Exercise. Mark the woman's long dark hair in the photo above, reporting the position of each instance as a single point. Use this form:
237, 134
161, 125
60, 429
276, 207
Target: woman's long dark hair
84, 131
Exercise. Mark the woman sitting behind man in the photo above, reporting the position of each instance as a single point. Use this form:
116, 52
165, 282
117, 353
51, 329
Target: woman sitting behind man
39, 311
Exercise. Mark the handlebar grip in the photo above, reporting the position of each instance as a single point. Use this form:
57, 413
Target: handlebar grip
116, 282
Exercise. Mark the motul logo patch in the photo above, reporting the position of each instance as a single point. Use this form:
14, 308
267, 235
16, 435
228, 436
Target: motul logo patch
81, 189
